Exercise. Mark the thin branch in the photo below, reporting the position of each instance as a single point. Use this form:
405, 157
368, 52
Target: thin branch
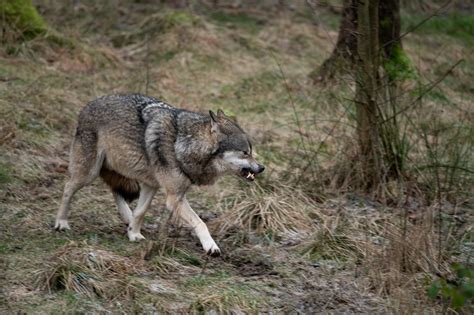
297, 120
439, 165
429, 17
316, 152
432, 86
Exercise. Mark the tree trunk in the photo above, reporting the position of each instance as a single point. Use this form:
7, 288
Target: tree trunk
343, 55
367, 86
389, 26
346, 45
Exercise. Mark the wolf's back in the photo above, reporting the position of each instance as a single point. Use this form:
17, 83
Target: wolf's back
119, 120
117, 107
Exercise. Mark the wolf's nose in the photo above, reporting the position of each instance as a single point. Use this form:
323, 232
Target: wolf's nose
260, 169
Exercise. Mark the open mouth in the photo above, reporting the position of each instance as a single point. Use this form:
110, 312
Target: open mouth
247, 174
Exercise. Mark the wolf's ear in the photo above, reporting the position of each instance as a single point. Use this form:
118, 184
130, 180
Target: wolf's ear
214, 117
214, 121
220, 114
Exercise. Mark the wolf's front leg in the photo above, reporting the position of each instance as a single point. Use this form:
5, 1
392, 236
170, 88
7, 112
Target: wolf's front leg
187, 214
144, 201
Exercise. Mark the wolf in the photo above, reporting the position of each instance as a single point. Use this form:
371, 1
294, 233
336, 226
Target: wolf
137, 144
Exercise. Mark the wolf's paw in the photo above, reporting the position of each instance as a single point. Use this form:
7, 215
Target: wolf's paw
135, 237
61, 225
211, 249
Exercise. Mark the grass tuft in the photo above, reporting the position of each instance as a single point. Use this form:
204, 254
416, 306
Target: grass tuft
233, 300
80, 268
267, 209
327, 245
164, 256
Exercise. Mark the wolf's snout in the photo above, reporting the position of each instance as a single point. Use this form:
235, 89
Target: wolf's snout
249, 173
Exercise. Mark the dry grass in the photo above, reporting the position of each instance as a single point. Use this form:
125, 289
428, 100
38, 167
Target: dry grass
165, 257
227, 302
84, 269
268, 209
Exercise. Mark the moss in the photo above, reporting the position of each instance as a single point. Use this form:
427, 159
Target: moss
385, 23
23, 16
398, 66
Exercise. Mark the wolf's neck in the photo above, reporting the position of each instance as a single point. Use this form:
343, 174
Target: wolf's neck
194, 148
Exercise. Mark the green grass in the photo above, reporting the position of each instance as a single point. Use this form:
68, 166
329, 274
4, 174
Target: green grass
164, 57
456, 25
253, 94
221, 293
6, 170
203, 281
238, 20
328, 19
231, 298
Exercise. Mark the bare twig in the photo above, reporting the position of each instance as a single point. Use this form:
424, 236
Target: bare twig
295, 113
316, 152
430, 87
412, 29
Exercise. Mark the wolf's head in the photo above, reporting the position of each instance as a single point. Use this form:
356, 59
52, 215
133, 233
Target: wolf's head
233, 152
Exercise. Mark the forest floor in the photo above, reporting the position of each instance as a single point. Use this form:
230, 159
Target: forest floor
286, 248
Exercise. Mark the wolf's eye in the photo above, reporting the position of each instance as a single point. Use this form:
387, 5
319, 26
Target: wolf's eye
245, 152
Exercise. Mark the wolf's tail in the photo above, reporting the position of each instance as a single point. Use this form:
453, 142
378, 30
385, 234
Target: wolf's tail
129, 189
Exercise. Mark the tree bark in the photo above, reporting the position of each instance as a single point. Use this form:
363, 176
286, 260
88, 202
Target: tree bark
389, 23
367, 86
343, 55
346, 45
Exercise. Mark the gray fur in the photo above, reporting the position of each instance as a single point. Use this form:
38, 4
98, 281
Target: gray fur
135, 141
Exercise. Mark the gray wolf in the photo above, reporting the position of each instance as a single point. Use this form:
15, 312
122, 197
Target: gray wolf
137, 144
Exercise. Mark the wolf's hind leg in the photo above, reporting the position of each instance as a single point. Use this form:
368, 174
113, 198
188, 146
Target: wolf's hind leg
84, 167
124, 209
181, 206
144, 201
71, 187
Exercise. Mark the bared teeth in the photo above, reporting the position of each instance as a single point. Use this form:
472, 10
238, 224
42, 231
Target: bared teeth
251, 175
